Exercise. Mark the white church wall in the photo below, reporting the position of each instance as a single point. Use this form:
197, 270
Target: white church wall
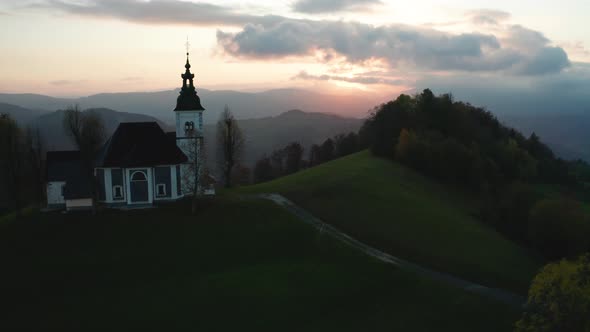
55, 193
174, 181
108, 184
76, 204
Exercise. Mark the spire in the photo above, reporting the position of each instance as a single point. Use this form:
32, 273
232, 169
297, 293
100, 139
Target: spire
188, 65
188, 99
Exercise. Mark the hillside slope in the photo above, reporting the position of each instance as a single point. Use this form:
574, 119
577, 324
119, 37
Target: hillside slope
244, 265
401, 212
264, 135
20, 114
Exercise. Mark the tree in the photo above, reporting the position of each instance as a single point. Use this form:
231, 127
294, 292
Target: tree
277, 160
327, 150
87, 132
294, 153
346, 144
263, 170
37, 162
513, 209
13, 161
559, 228
241, 175
314, 155
194, 171
230, 143
559, 299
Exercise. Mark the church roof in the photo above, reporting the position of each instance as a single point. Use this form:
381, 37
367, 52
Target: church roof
66, 166
60, 164
140, 144
188, 99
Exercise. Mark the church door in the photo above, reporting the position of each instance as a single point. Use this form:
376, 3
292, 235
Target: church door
139, 187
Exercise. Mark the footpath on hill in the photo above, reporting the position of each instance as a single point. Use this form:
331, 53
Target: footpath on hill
494, 293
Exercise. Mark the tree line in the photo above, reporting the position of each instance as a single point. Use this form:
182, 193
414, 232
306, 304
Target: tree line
291, 158
22, 168
467, 146
526, 192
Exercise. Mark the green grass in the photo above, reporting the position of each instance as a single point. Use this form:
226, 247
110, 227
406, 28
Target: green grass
239, 265
12, 216
401, 212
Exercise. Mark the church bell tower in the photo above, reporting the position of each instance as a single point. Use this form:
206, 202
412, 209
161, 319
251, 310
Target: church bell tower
189, 129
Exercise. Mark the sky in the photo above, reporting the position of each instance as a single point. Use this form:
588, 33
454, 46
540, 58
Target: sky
73, 48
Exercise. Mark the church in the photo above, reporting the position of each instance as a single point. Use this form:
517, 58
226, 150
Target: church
140, 164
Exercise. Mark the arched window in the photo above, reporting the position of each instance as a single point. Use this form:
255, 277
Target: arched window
138, 176
189, 126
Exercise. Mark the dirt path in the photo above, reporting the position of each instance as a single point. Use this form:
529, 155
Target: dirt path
494, 293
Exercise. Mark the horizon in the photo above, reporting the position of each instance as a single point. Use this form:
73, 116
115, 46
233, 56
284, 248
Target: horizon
212, 89
366, 47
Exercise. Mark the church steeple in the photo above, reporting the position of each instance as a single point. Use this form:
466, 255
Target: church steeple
188, 99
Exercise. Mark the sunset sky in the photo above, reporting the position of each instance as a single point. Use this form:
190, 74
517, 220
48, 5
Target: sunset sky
83, 47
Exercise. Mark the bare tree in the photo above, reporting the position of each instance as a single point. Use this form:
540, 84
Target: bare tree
193, 174
230, 144
13, 161
37, 161
86, 130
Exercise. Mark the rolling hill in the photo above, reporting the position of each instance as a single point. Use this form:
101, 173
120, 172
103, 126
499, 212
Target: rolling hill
236, 265
263, 135
50, 126
565, 132
245, 105
20, 114
270, 133
403, 213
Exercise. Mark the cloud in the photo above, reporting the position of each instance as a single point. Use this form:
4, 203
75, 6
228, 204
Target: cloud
398, 46
563, 93
155, 11
515, 49
525, 39
361, 79
66, 82
132, 79
488, 16
327, 6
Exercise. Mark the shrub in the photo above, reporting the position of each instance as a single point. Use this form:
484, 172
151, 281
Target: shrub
559, 299
558, 228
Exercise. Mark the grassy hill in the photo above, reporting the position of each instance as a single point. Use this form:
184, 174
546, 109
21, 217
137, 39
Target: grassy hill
403, 213
237, 265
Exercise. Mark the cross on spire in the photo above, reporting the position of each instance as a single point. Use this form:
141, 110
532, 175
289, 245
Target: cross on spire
188, 45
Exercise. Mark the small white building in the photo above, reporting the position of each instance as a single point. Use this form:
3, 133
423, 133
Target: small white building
67, 185
140, 164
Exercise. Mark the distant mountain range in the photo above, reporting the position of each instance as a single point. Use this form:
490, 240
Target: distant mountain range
262, 135
244, 105
20, 114
567, 134
50, 126
265, 135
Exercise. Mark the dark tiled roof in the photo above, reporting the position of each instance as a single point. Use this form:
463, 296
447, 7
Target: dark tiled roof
171, 135
139, 144
66, 166
62, 163
188, 100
